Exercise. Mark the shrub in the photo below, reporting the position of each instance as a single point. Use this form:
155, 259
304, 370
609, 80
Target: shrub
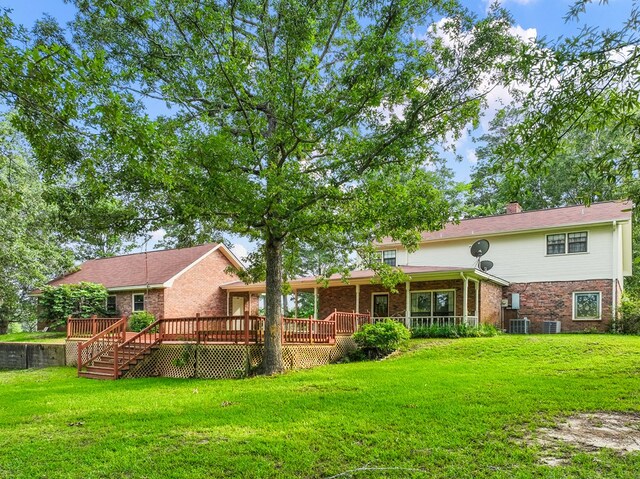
380, 339
457, 331
629, 316
140, 320
84, 299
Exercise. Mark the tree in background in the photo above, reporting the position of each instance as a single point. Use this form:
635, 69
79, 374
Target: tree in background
565, 179
30, 248
574, 137
582, 88
290, 122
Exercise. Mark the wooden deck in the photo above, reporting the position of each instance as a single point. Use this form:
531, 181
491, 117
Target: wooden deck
110, 350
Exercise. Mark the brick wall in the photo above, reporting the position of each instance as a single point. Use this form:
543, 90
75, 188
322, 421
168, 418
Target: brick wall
490, 303
198, 289
342, 298
153, 301
553, 301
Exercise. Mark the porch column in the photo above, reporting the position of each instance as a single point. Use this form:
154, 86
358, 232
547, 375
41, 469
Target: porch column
249, 306
227, 302
477, 285
315, 303
295, 304
407, 305
465, 299
357, 298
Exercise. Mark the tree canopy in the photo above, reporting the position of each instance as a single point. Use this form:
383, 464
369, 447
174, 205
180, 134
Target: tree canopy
30, 249
581, 86
290, 122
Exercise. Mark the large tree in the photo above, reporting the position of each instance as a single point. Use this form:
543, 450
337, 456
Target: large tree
288, 121
582, 85
30, 248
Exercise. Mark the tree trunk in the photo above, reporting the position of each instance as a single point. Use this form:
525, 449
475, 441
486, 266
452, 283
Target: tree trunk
272, 357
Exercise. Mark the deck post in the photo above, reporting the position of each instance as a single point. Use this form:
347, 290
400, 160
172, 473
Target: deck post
407, 304
94, 324
246, 328
115, 361
123, 329
197, 328
477, 290
310, 331
69, 326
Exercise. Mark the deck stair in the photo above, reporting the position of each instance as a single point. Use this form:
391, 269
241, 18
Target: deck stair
103, 367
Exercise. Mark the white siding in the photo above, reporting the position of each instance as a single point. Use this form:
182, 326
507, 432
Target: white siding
522, 258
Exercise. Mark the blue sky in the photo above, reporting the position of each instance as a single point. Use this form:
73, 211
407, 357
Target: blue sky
543, 18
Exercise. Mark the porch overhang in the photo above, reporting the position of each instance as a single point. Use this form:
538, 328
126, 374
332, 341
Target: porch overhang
361, 277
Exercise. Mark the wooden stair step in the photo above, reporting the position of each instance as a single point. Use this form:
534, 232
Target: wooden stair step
96, 375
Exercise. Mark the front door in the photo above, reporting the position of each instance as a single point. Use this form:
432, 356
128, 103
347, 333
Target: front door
237, 306
380, 305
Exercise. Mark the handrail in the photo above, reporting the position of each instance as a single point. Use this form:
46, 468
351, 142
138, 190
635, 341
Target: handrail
88, 327
300, 331
113, 335
134, 347
349, 323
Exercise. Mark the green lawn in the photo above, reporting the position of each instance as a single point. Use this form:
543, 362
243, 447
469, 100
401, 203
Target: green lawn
39, 337
453, 409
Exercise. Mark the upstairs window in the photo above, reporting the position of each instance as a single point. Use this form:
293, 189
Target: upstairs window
389, 257
567, 243
138, 302
577, 242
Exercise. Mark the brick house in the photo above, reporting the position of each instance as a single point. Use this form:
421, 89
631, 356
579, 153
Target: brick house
168, 283
562, 268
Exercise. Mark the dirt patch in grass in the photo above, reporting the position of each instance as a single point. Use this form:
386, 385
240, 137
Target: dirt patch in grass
590, 432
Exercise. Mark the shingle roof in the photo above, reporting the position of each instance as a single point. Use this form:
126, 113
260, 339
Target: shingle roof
154, 267
531, 220
312, 281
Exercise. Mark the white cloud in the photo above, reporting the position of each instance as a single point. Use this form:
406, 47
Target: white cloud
470, 155
240, 252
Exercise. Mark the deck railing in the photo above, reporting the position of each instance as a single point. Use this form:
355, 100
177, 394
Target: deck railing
102, 343
213, 329
300, 331
88, 327
413, 322
349, 323
136, 346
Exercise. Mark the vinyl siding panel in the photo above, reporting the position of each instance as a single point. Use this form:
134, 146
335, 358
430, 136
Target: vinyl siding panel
522, 257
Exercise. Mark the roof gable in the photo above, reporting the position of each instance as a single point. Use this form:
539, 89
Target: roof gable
139, 269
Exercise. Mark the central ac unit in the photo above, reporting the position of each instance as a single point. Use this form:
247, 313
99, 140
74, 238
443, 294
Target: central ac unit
551, 327
519, 326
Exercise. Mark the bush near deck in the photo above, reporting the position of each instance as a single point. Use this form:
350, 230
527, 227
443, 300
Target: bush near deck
446, 409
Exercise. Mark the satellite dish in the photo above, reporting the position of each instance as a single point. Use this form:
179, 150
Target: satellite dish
486, 265
479, 248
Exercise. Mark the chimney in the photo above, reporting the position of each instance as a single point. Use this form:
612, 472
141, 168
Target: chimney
514, 207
